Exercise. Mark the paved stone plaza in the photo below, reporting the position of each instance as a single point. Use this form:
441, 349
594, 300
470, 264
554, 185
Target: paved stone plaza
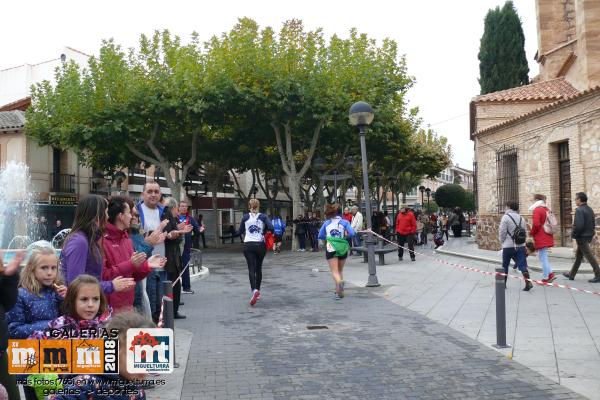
373, 348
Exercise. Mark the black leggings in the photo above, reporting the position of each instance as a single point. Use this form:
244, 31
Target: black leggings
255, 254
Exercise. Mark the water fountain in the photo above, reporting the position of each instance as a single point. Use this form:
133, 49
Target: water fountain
17, 210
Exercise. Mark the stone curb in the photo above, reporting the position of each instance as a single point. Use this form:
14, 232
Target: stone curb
585, 268
200, 275
174, 382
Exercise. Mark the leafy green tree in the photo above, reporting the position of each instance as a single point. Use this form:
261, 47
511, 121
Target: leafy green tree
301, 86
502, 59
469, 201
125, 107
451, 195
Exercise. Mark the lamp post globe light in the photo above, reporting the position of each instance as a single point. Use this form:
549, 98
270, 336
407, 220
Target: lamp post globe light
422, 190
361, 116
428, 191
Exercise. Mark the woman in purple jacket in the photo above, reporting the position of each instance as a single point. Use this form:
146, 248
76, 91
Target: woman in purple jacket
81, 253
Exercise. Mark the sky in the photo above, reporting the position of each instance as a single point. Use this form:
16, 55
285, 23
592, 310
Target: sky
440, 38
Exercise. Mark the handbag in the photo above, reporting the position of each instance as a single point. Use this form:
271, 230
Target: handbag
269, 240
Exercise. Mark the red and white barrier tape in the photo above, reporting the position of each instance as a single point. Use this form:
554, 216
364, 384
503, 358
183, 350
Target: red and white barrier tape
494, 273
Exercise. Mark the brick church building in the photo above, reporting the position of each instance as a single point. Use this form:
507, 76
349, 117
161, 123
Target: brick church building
544, 137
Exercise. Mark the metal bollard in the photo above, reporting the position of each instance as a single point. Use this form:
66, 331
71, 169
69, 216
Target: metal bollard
500, 311
168, 289
169, 322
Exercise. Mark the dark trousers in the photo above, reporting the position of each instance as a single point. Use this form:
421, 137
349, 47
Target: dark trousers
518, 255
185, 279
457, 230
583, 249
255, 254
176, 290
203, 240
302, 240
445, 232
315, 240
406, 239
8, 381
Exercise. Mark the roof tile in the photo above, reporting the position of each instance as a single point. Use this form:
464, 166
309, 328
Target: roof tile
554, 89
11, 120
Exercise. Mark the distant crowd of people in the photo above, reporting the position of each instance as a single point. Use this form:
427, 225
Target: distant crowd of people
38, 229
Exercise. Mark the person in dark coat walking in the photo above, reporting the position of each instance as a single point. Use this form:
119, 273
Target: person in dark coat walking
301, 230
9, 281
584, 229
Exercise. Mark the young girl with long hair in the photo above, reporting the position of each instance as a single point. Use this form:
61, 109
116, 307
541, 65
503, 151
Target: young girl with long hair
335, 232
82, 252
84, 308
41, 293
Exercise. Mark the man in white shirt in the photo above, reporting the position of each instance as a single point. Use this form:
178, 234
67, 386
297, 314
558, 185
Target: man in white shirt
151, 211
357, 225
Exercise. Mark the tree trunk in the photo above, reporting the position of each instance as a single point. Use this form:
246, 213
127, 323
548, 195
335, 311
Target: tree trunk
297, 206
215, 207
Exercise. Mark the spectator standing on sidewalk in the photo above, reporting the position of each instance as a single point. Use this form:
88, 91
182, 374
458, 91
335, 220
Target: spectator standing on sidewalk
584, 229
456, 222
513, 235
313, 232
443, 223
201, 229
406, 227
542, 239
357, 226
301, 231
186, 218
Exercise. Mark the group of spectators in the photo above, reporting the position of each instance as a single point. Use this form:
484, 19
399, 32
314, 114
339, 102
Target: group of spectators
111, 270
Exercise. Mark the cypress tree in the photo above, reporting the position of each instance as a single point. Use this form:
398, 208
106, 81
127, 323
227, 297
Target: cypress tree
502, 60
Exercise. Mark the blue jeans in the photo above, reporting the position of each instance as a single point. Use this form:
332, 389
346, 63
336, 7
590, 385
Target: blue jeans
517, 254
185, 278
546, 268
154, 289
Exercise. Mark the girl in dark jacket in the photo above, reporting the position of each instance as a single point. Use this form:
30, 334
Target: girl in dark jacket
174, 266
40, 297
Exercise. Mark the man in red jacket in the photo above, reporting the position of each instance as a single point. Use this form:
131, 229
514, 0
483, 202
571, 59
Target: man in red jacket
119, 258
406, 227
541, 239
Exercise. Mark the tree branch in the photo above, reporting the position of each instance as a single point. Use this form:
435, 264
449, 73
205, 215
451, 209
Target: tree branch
288, 146
284, 162
313, 146
152, 147
142, 156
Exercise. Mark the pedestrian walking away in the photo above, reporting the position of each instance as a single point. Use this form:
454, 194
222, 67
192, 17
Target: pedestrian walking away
313, 232
301, 231
542, 233
279, 227
584, 229
513, 235
253, 226
406, 228
335, 232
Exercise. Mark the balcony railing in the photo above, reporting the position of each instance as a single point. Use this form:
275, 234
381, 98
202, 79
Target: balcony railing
98, 188
62, 183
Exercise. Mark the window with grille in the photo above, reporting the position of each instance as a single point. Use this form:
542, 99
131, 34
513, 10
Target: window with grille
507, 174
475, 186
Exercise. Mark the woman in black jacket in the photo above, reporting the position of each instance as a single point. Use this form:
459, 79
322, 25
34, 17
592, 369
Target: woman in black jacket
174, 265
9, 282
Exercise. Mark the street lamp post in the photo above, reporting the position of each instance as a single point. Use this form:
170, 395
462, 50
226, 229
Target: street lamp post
428, 191
361, 115
392, 181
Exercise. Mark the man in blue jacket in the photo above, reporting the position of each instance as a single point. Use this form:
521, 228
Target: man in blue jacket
279, 227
